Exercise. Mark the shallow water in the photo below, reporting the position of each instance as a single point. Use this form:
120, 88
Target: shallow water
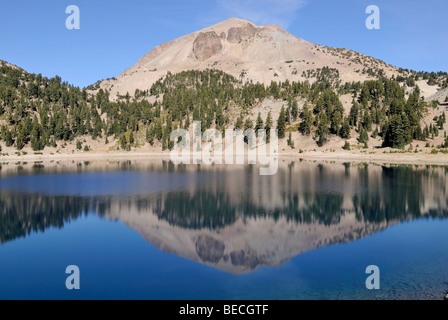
151, 230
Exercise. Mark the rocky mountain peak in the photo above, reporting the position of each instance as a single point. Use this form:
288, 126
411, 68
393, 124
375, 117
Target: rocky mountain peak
236, 46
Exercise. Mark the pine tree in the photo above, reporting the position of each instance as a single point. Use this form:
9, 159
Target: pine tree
8, 138
290, 142
268, 127
345, 130
307, 121
363, 136
239, 123
36, 137
248, 124
367, 121
158, 130
396, 132
294, 110
219, 118
354, 112
445, 144
123, 142
259, 124
187, 123
335, 122
281, 124
396, 107
150, 134
21, 140
288, 115
322, 130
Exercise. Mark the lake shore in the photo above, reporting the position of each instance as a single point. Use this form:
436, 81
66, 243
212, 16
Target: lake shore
340, 156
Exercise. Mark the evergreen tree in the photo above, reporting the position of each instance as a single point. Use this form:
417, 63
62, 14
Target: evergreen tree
158, 130
288, 115
259, 124
123, 142
187, 123
322, 130
290, 142
239, 123
345, 130
307, 121
363, 136
8, 138
281, 124
335, 122
396, 107
367, 121
248, 124
219, 118
21, 140
396, 132
268, 127
294, 110
36, 137
354, 112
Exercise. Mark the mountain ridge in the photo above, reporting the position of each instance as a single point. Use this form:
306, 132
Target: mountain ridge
247, 51
236, 75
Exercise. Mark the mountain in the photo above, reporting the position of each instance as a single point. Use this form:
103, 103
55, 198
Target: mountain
250, 53
233, 75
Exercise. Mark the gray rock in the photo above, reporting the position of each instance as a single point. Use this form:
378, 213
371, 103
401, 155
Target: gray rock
240, 33
209, 249
206, 45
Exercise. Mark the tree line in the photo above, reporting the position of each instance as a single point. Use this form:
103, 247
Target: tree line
42, 111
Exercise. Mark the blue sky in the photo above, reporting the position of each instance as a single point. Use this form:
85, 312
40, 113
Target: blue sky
115, 34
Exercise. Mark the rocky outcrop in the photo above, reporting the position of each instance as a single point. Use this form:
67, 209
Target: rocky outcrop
206, 45
237, 34
440, 96
209, 249
247, 258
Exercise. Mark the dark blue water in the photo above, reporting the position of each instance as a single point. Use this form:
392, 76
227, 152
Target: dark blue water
307, 233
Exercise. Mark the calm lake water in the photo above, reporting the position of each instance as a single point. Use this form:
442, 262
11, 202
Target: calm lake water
152, 230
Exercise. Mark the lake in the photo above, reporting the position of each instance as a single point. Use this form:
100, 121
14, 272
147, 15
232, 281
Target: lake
152, 230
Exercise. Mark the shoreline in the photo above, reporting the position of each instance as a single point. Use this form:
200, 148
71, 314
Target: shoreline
397, 158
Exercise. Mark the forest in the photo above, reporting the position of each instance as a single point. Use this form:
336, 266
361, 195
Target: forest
42, 111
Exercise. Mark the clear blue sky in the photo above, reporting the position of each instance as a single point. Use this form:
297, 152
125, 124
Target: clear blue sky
115, 34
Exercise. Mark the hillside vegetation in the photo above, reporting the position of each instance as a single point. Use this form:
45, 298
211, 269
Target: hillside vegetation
42, 112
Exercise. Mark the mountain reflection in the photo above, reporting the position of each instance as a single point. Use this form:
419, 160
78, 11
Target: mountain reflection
234, 219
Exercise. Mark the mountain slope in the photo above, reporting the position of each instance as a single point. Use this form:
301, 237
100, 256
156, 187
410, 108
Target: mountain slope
249, 52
